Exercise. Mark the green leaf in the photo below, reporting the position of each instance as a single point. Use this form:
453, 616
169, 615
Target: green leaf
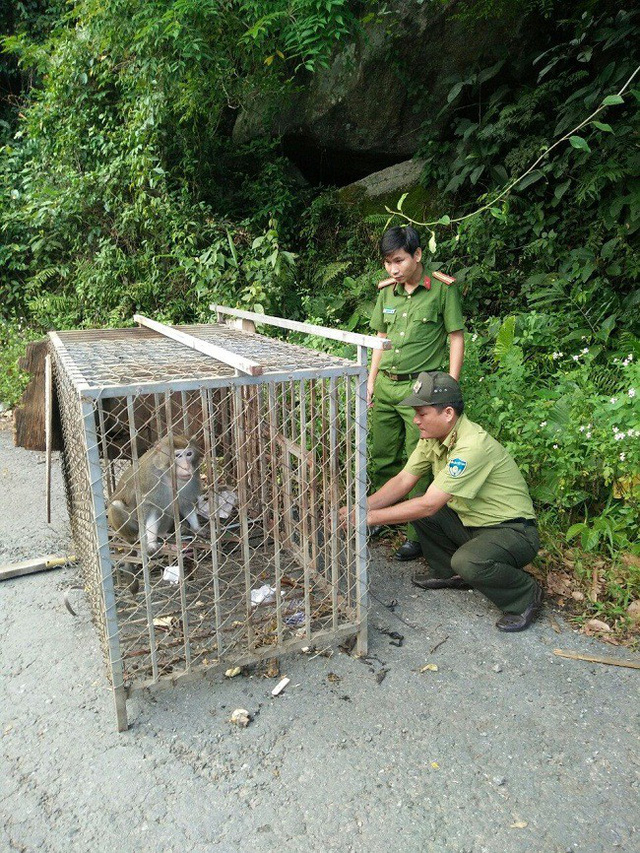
601, 125
444, 220
454, 92
573, 531
579, 142
401, 200
529, 179
432, 244
505, 338
610, 100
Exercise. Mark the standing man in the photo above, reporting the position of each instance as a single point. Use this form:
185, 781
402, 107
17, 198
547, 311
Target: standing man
476, 521
417, 312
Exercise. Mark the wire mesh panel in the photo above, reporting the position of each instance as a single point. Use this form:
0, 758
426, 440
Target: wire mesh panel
206, 515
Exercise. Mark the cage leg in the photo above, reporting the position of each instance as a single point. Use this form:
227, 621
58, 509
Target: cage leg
120, 701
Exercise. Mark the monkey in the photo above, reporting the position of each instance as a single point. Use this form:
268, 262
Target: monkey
156, 490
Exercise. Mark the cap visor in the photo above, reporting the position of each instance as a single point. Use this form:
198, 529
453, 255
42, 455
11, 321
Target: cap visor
414, 401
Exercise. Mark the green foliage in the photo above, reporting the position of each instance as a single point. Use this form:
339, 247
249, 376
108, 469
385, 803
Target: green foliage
14, 338
115, 194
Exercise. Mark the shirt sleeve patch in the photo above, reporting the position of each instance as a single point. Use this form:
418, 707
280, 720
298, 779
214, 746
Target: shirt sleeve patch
388, 310
457, 467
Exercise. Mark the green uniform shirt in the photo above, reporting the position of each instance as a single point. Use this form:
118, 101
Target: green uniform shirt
417, 324
485, 482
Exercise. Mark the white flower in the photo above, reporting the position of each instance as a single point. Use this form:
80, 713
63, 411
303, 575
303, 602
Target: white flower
630, 356
630, 433
555, 446
557, 355
625, 362
474, 337
588, 435
613, 400
622, 457
637, 433
615, 429
481, 379
631, 392
543, 423
582, 429
575, 357
619, 436
585, 350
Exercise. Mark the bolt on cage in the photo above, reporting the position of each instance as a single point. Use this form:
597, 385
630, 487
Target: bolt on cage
281, 430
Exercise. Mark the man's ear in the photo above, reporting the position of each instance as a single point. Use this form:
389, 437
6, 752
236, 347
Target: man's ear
417, 255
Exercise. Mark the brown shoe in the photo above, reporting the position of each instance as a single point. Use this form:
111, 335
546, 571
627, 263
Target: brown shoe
424, 581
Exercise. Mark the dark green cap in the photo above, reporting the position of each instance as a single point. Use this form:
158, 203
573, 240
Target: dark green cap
434, 387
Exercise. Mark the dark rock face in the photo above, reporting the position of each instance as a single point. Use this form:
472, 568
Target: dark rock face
366, 111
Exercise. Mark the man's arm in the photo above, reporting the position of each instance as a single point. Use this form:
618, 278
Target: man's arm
392, 492
456, 353
373, 371
422, 507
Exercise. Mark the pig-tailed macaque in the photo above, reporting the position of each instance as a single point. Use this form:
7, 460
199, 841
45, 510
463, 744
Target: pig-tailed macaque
157, 493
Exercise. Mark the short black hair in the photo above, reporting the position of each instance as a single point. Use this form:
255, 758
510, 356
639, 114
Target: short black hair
401, 237
457, 406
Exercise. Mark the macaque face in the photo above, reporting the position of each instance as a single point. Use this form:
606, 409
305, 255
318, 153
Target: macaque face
186, 460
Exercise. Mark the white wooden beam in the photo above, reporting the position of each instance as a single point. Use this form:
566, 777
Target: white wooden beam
245, 365
369, 341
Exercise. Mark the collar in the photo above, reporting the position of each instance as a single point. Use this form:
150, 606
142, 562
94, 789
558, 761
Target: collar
450, 439
426, 283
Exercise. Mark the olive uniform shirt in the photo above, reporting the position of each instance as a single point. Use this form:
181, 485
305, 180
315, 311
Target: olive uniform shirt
485, 482
417, 324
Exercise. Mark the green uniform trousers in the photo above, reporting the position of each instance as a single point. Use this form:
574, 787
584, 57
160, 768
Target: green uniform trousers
491, 559
393, 436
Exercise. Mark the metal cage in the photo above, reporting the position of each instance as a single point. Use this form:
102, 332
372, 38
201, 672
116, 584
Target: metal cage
282, 433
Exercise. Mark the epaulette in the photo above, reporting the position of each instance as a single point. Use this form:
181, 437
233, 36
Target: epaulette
445, 279
386, 283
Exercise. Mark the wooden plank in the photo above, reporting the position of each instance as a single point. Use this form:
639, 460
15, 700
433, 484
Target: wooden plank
370, 341
29, 414
48, 425
30, 567
239, 362
595, 659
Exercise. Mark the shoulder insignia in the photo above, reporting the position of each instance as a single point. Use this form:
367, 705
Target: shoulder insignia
386, 283
440, 276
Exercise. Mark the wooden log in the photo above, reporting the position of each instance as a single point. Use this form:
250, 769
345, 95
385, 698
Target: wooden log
29, 414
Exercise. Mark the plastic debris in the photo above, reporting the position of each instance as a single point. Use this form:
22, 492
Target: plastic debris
430, 667
295, 619
240, 717
223, 501
263, 595
231, 673
277, 690
171, 574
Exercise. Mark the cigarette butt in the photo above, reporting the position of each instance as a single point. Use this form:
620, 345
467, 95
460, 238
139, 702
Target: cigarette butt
277, 690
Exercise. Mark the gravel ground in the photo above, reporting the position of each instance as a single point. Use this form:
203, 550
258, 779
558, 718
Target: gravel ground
506, 748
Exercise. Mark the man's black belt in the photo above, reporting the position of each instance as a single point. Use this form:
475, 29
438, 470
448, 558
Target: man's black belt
528, 522
400, 377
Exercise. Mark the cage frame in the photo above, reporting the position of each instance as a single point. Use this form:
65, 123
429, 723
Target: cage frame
246, 374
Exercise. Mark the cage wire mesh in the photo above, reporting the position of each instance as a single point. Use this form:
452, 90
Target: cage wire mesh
248, 558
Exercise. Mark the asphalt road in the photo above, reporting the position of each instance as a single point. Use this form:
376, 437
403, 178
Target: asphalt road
506, 748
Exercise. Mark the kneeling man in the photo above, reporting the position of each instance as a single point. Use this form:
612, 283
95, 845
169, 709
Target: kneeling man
475, 522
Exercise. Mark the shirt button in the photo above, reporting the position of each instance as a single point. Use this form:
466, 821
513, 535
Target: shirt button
405, 314
397, 350
409, 296
424, 319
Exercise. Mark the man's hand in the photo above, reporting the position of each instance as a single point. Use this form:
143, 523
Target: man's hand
343, 515
370, 394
